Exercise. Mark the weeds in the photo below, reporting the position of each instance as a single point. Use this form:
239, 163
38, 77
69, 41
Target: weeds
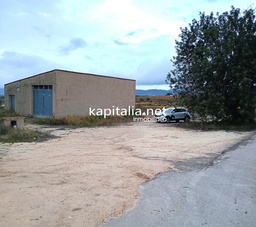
6, 113
11, 135
214, 126
154, 102
84, 121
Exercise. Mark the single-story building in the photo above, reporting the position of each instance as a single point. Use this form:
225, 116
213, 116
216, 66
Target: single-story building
60, 93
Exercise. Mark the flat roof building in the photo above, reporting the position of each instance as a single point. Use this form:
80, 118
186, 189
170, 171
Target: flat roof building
60, 93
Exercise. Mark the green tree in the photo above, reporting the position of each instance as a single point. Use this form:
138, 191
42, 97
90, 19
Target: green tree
215, 66
1, 100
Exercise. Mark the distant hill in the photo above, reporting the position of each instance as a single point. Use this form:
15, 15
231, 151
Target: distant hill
1, 91
154, 92
150, 92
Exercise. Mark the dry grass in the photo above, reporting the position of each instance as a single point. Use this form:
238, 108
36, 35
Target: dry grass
153, 102
84, 121
12, 135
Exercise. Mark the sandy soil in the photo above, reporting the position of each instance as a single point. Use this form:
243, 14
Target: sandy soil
87, 175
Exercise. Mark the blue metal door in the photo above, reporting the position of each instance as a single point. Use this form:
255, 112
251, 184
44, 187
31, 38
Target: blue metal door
42, 100
12, 103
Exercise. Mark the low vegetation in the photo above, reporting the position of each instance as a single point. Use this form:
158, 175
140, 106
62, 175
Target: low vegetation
6, 113
154, 102
213, 126
83, 121
13, 135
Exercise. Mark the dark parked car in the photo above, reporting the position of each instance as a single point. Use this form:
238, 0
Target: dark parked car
173, 114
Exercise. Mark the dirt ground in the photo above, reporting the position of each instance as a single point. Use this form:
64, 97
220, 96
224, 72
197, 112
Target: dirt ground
87, 175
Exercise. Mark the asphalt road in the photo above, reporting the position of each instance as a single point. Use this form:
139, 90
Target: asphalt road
220, 194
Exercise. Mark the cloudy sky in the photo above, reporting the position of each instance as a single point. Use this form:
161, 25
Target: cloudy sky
124, 38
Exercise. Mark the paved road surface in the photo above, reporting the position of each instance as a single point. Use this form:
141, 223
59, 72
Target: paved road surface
223, 194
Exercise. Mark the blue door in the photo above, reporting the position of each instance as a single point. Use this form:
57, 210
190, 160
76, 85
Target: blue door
12, 103
42, 103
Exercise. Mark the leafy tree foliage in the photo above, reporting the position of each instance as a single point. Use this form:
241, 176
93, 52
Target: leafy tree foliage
1, 100
215, 66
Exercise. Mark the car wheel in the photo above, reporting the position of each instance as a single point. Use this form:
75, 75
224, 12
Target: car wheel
168, 119
187, 119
